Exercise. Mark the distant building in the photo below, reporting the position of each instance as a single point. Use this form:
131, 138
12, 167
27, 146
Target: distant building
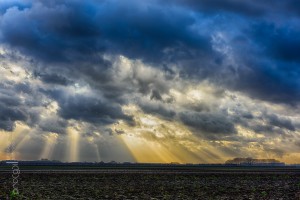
253, 161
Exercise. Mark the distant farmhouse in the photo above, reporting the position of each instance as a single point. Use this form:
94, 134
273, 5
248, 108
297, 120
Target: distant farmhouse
253, 161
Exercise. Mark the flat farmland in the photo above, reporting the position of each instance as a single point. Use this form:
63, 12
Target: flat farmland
170, 184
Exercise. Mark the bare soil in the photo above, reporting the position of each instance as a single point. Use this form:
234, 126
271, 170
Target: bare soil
145, 185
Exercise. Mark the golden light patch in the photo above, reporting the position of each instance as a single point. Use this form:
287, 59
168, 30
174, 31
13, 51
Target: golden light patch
13, 140
142, 151
153, 139
291, 158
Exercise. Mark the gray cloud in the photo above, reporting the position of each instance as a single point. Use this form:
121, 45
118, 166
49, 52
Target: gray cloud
281, 122
90, 109
52, 124
158, 108
208, 124
13, 108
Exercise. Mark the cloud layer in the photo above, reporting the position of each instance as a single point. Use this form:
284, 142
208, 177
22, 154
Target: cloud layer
224, 72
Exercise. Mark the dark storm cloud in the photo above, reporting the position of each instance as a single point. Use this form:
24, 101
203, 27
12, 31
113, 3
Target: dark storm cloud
208, 124
249, 8
157, 108
281, 43
275, 69
268, 82
281, 122
13, 108
9, 116
55, 32
91, 109
268, 61
267, 44
87, 107
64, 31
53, 78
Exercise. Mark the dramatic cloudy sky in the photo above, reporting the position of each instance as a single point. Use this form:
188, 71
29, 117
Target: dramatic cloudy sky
197, 81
